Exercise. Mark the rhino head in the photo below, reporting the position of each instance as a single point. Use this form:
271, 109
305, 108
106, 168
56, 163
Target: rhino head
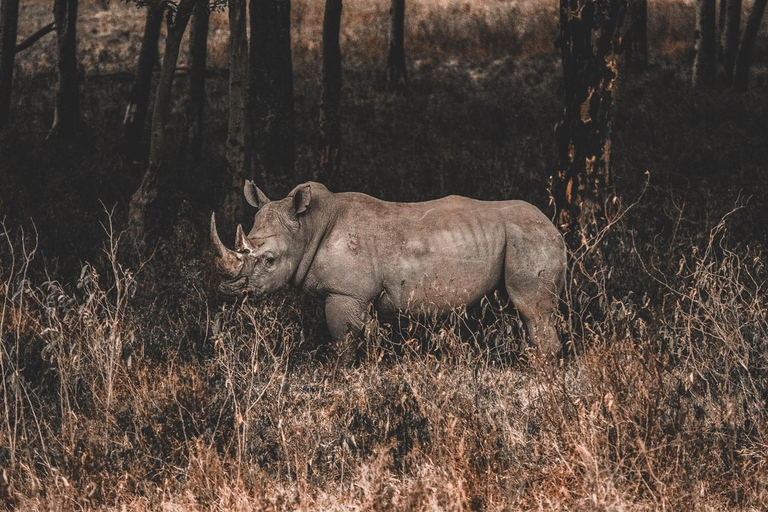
267, 258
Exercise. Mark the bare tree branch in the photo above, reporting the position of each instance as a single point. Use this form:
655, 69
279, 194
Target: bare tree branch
35, 37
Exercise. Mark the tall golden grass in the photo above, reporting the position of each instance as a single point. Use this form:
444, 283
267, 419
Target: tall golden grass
661, 403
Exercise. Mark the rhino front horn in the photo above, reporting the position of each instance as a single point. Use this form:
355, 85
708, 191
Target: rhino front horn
228, 261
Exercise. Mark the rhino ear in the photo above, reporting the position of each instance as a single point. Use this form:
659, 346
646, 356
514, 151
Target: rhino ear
301, 198
254, 195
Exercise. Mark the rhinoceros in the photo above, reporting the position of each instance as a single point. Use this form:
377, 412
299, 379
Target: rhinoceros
355, 251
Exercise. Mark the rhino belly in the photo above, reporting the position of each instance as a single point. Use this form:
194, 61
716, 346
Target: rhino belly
439, 285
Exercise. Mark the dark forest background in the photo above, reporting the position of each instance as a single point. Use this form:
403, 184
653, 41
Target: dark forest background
125, 381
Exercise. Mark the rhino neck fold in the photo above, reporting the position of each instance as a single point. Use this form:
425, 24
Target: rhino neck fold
317, 224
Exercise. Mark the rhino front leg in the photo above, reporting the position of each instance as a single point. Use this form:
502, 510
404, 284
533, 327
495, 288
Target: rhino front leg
346, 317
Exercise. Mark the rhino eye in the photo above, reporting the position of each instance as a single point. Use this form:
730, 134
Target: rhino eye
269, 261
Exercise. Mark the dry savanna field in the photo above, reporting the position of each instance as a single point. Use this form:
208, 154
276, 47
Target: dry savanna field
126, 384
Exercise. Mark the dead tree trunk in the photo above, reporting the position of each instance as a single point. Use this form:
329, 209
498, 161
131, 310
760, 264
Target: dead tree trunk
330, 104
637, 49
147, 190
397, 74
67, 109
237, 155
731, 38
9, 21
271, 88
722, 6
704, 70
136, 111
198, 54
590, 35
747, 46
721, 14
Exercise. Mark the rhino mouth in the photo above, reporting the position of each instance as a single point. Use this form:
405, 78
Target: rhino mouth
231, 265
235, 289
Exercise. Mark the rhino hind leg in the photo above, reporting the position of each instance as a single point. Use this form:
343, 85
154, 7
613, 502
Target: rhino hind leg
535, 292
540, 325
346, 318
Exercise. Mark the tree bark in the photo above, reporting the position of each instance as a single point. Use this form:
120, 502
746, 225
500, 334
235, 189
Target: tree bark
147, 190
591, 32
138, 104
731, 38
67, 109
746, 49
397, 74
271, 88
237, 154
330, 104
721, 14
198, 54
9, 21
704, 69
637, 50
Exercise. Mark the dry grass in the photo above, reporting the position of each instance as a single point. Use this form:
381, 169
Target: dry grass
660, 405
125, 385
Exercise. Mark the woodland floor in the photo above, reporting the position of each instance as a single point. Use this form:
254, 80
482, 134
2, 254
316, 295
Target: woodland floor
125, 383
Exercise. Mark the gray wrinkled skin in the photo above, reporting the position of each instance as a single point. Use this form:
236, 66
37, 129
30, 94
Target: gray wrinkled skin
425, 258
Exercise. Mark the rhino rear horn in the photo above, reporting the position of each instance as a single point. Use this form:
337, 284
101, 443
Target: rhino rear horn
241, 241
254, 195
228, 261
